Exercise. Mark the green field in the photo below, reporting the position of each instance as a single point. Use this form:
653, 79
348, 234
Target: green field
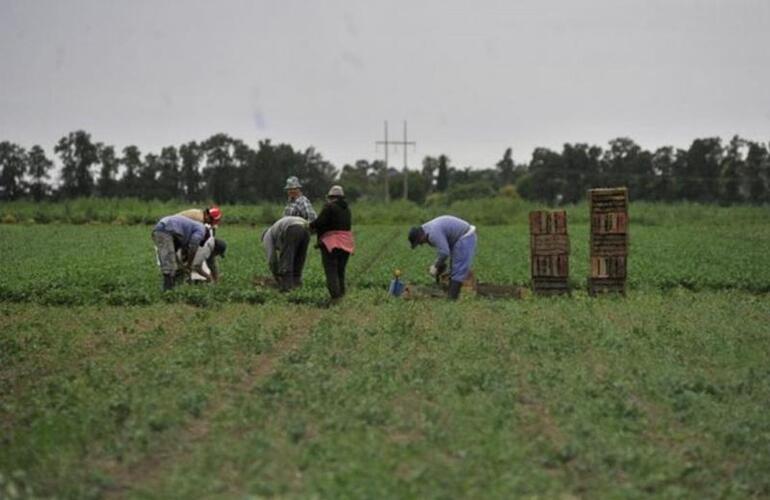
109, 388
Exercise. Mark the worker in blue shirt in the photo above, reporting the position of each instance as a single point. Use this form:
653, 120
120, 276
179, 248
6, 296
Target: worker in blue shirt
452, 238
170, 233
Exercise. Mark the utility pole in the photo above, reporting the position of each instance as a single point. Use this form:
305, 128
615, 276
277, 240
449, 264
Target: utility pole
405, 143
387, 181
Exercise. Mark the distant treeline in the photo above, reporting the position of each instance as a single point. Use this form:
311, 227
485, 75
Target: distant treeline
227, 170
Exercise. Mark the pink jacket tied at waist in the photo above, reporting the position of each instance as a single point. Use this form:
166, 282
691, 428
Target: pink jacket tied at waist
338, 239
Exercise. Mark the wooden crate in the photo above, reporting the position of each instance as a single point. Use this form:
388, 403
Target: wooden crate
609, 243
549, 251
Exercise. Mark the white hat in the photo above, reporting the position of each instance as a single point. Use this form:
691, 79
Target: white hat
336, 191
292, 183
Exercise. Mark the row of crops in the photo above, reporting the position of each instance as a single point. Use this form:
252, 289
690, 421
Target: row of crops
70, 265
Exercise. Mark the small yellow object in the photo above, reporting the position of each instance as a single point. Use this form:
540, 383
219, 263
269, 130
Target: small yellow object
397, 273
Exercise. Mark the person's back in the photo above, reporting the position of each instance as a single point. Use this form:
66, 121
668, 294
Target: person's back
196, 214
184, 229
335, 216
445, 228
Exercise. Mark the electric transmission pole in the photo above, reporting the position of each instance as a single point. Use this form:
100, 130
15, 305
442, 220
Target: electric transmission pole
405, 144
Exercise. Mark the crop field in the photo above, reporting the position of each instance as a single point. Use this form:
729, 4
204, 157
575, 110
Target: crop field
110, 388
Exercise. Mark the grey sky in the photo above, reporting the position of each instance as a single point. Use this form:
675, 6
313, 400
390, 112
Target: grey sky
471, 77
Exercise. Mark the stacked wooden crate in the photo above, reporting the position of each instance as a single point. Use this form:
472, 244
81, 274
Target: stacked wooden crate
549, 251
609, 240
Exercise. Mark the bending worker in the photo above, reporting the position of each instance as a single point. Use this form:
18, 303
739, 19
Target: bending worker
452, 238
176, 231
286, 244
204, 266
298, 205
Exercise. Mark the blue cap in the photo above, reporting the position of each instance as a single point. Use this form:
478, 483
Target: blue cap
415, 235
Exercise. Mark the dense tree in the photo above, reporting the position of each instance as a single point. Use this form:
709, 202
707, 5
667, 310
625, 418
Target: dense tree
132, 166
506, 168
545, 176
147, 180
442, 177
429, 171
13, 165
227, 170
701, 176
664, 164
191, 154
78, 154
38, 170
730, 175
107, 185
169, 176
219, 174
756, 171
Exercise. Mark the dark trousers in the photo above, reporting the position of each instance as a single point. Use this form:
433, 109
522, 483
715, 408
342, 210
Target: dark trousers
334, 263
292, 259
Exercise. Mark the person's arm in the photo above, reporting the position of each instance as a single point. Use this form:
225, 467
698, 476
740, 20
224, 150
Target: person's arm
204, 254
321, 223
289, 209
272, 255
438, 240
213, 266
196, 237
309, 211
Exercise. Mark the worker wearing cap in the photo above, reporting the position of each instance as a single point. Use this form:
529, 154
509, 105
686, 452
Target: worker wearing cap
335, 240
211, 216
170, 233
452, 238
286, 244
298, 205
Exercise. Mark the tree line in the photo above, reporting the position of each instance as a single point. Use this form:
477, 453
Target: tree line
228, 170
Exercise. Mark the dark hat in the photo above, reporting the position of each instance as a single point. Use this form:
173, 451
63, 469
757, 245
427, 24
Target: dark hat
220, 247
415, 235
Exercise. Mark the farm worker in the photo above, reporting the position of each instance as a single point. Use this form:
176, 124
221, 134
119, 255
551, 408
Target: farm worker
335, 240
204, 265
298, 205
211, 216
176, 231
451, 237
286, 244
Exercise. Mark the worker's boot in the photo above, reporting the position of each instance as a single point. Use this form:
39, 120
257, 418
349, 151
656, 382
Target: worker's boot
454, 289
284, 283
168, 282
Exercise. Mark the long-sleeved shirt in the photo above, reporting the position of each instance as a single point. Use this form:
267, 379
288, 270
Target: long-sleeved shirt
186, 232
300, 207
443, 232
274, 237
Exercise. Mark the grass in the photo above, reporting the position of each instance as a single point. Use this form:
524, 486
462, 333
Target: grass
110, 389
378, 398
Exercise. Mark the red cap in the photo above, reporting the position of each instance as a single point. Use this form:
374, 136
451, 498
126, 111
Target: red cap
216, 214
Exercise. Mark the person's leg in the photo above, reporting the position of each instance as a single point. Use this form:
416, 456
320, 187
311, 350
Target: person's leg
342, 262
164, 242
462, 259
299, 258
329, 261
286, 259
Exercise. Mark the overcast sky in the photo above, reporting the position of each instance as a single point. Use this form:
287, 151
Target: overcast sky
471, 77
